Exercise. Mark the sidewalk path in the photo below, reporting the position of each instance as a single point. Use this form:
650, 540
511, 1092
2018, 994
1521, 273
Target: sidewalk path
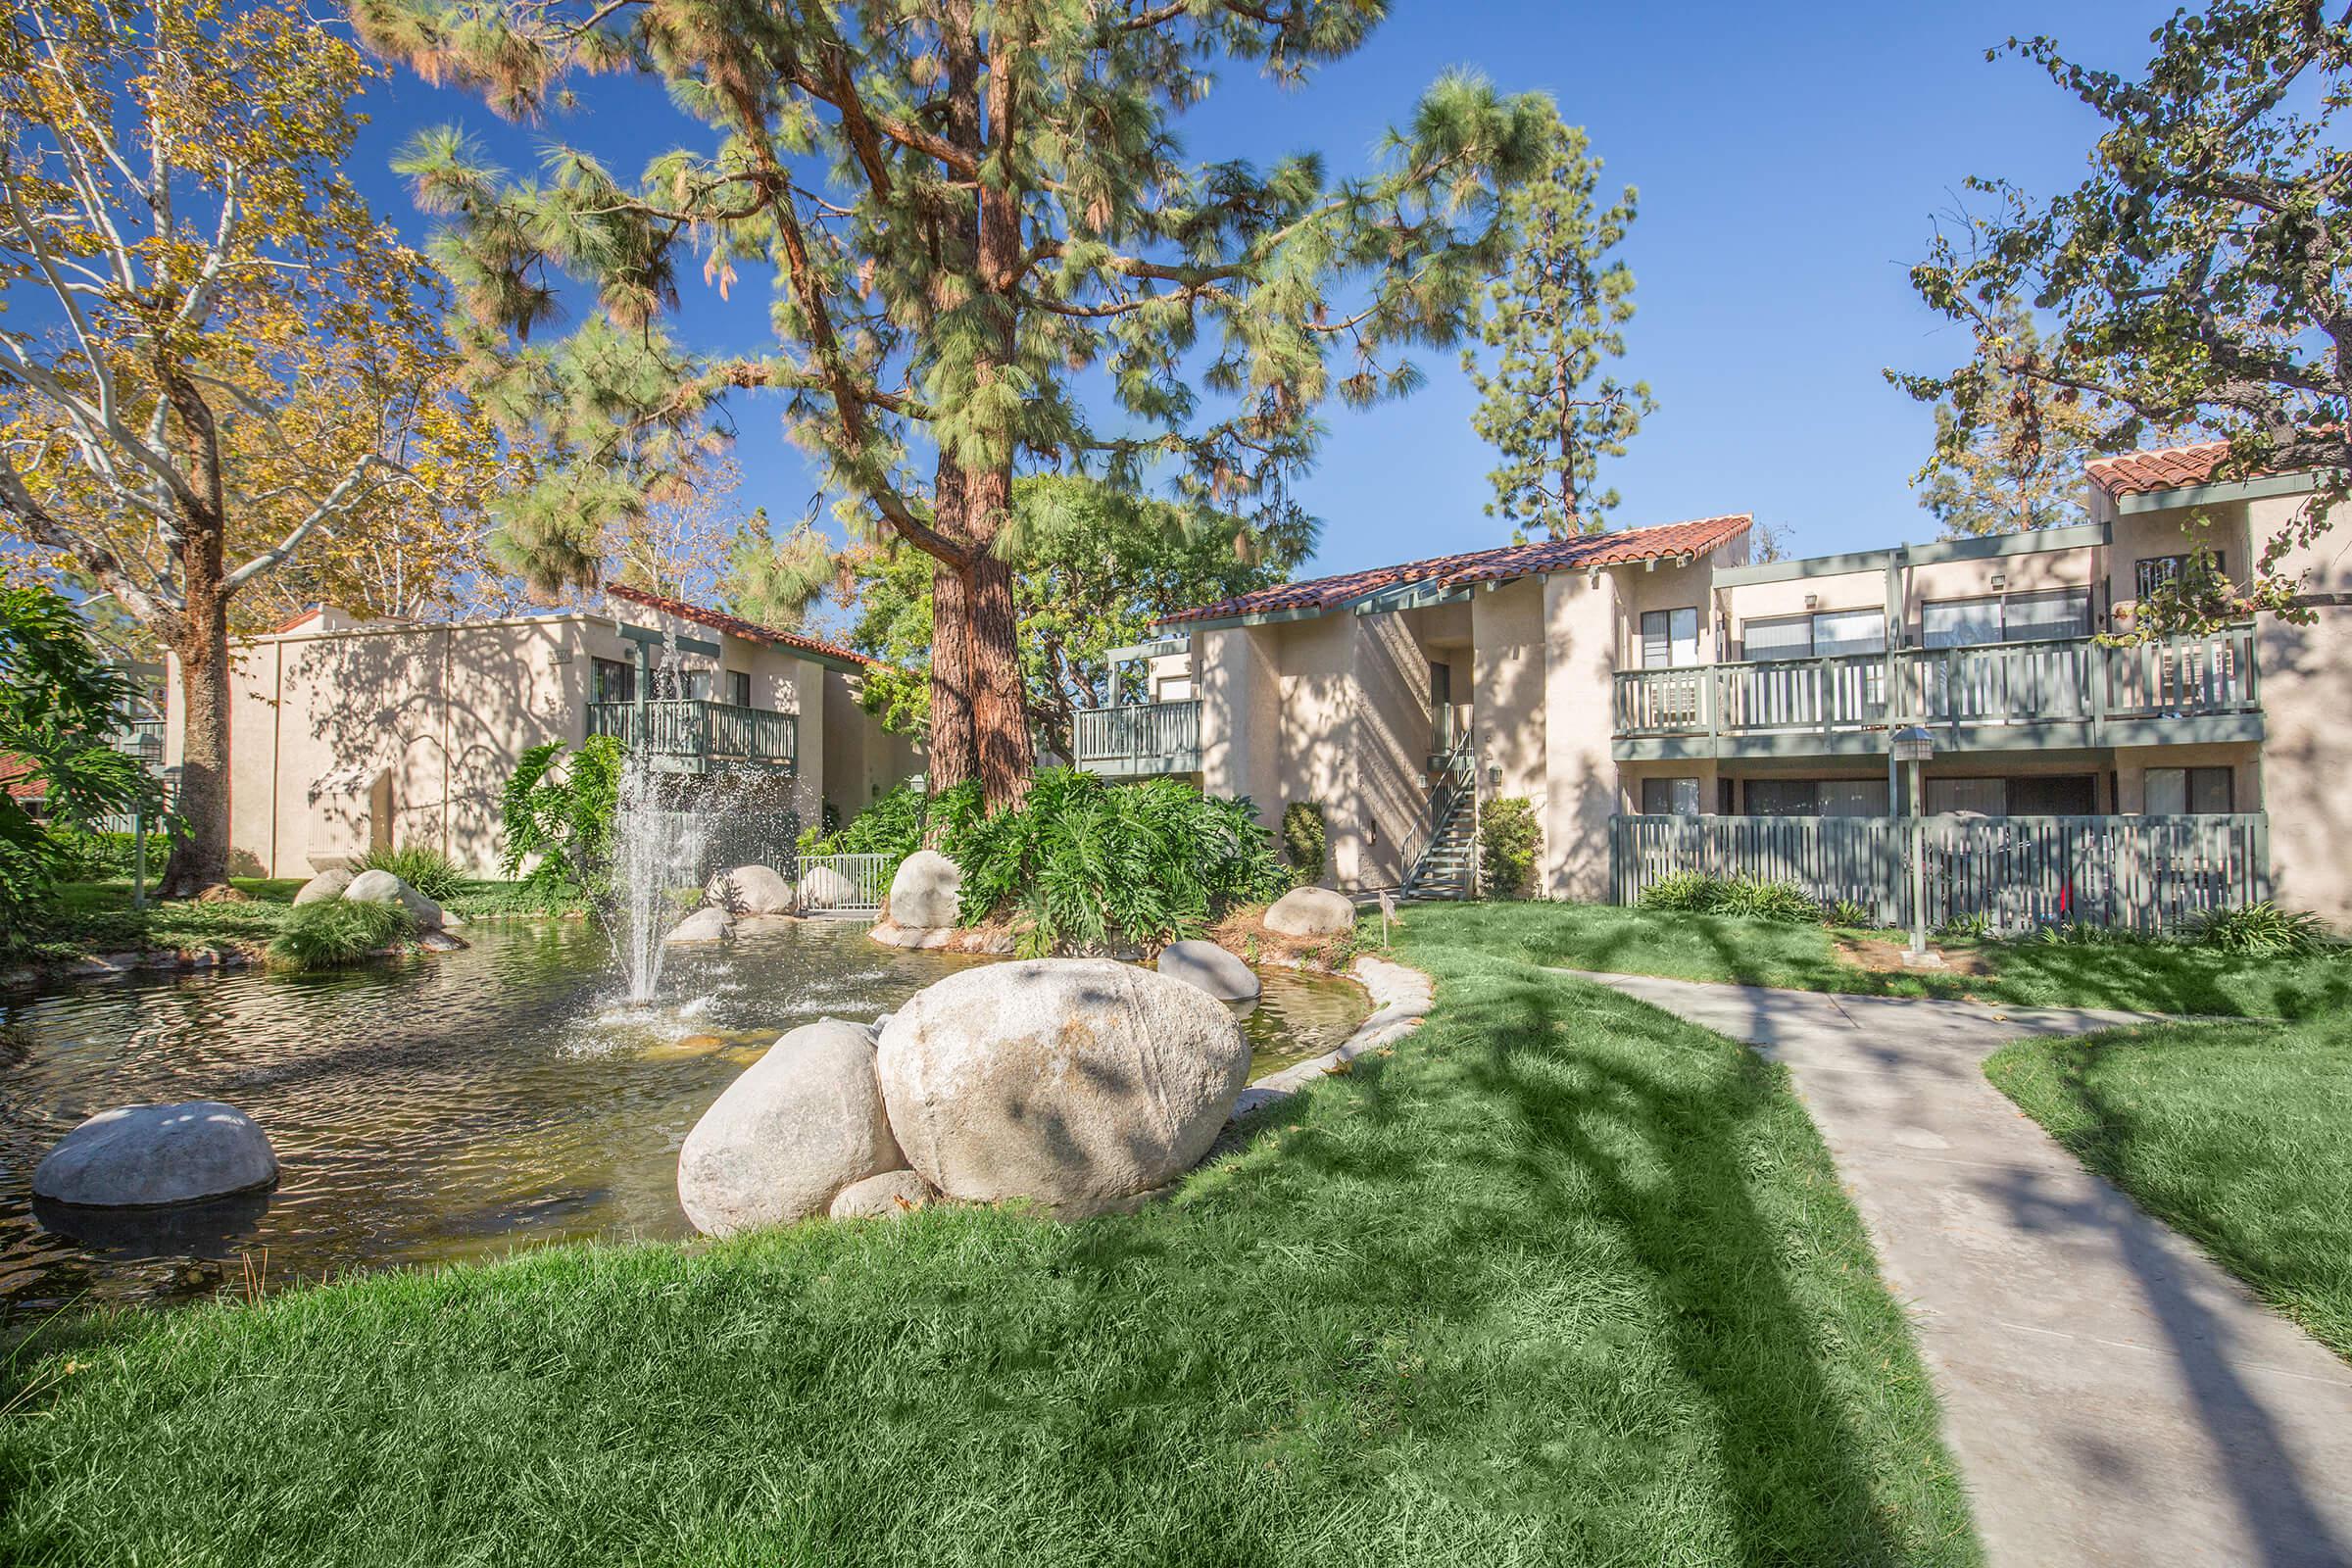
2112, 1397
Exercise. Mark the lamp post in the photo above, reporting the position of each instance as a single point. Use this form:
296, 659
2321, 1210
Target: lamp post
1914, 745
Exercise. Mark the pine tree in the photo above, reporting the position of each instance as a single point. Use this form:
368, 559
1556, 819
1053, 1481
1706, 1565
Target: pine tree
1556, 317
2009, 450
983, 240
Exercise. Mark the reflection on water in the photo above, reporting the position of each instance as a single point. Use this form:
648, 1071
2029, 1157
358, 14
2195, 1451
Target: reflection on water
443, 1107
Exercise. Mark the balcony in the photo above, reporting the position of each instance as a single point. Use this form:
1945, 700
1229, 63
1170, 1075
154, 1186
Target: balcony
2059, 693
689, 735
1139, 739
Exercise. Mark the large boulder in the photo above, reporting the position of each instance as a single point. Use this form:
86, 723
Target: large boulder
826, 888
1077, 1081
708, 924
152, 1155
1310, 912
328, 884
1211, 968
802, 1123
751, 890
927, 890
383, 887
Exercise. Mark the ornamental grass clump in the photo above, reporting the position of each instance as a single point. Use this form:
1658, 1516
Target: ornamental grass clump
2262, 931
420, 866
1746, 898
337, 931
1086, 865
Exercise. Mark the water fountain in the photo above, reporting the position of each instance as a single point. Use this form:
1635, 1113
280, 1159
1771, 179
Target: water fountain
656, 849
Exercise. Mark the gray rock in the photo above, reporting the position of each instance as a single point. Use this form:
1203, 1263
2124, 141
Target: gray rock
802, 1123
927, 890
383, 887
825, 888
710, 923
1077, 1081
885, 1197
1310, 912
328, 884
147, 1155
1211, 968
751, 890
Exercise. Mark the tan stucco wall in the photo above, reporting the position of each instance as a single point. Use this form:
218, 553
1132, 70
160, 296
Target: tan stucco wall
1581, 629
1388, 752
1507, 659
1240, 717
342, 735
2306, 674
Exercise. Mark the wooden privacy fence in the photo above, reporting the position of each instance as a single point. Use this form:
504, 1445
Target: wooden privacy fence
2141, 873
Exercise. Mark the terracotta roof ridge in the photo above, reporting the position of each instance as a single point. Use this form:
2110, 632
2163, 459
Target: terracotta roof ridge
722, 621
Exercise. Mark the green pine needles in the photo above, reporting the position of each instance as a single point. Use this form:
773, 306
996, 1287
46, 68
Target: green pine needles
1555, 319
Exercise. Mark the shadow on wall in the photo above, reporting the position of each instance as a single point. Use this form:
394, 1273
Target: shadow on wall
2306, 753
448, 711
1393, 725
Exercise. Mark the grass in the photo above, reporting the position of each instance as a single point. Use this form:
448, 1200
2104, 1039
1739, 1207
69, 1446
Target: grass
1562, 1280
330, 932
2137, 977
2238, 1135
87, 918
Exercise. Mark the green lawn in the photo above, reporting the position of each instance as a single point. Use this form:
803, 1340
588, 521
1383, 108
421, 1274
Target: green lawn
2239, 1134
2139, 977
1562, 1280
83, 918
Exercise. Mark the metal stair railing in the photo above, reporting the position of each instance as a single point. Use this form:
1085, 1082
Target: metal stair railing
1456, 786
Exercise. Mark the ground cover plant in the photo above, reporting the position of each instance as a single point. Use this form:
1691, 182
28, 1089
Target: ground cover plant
2238, 1135
2134, 976
1563, 1278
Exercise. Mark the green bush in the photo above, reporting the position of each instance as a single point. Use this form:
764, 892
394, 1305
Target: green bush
1855, 916
337, 931
1683, 892
561, 810
2083, 934
1305, 842
2261, 931
1506, 846
84, 856
1966, 928
1745, 896
1091, 865
897, 821
420, 866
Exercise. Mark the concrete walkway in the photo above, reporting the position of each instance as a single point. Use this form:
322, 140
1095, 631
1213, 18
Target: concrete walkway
2112, 1397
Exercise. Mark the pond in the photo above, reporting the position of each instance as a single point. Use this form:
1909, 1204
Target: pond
443, 1107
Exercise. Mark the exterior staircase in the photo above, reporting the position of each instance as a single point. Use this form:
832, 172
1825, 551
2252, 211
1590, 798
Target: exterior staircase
1448, 865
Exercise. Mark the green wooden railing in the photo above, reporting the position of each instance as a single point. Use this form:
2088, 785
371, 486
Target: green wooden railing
1136, 736
2059, 681
700, 731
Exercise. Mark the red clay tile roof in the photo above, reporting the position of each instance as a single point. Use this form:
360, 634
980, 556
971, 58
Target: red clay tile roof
1449, 573
2135, 473
15, 776
735, 625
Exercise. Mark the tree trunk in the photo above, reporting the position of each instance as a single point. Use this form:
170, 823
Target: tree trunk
200, 642
953, 753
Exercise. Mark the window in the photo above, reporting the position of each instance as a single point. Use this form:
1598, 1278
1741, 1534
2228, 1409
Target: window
1827, 634
2190, 791
1670, 797
1854, 797
613, 682
2053, 795
2155, 572
1669, 639
1176, 689
2010, 619
1979, 797
1783, 796
675, 681
739, 688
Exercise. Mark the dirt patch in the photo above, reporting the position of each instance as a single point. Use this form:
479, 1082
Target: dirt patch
1243, 934
1882, 957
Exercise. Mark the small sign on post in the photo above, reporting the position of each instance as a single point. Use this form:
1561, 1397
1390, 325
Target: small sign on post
1387, 912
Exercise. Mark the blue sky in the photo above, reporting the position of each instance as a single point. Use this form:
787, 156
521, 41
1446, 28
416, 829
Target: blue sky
1791, 161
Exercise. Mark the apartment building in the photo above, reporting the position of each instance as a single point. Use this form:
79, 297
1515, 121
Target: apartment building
348, 734
1659, 674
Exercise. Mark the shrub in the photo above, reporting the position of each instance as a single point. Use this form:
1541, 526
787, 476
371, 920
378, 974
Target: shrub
1506, 846
898, 822
1855, 916
1753, 898
1684, 892
2260, 931
1088, 865
420, 866
337, 931
1305, 842
1974, 927
561, 810
84, 856
2083, 934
